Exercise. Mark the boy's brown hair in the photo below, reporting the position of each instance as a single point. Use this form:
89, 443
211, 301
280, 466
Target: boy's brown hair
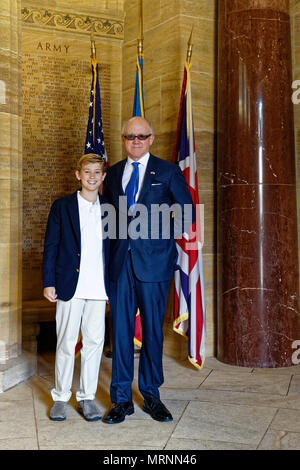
91, 158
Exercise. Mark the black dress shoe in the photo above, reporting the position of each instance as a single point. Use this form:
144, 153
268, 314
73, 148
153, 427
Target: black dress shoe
157, 410
118, 412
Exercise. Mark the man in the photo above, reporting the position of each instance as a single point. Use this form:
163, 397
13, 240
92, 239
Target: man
141, 267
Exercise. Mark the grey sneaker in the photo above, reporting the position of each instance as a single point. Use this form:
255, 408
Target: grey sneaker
89, 410
58, 411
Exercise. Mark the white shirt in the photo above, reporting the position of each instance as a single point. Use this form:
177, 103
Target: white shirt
129, 169
91, 271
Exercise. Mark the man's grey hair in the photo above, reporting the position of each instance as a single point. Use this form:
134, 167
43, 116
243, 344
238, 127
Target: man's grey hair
128, 120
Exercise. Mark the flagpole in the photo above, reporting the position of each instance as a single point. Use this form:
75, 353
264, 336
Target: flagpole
140, 46
190, 48
93, 46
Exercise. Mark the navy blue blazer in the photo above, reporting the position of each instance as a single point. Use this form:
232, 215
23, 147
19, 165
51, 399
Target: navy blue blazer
154, 257
62, 247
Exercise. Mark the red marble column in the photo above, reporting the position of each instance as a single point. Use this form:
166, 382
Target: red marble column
258, 316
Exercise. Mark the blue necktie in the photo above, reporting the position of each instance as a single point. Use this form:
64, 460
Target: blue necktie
133, 186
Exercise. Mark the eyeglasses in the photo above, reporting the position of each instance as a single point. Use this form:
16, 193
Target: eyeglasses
139, 136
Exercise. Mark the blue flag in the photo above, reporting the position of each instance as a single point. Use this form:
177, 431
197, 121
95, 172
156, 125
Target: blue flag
138, 105
138, 110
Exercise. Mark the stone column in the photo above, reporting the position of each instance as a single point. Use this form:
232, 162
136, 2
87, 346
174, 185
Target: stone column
258, 317
14, 366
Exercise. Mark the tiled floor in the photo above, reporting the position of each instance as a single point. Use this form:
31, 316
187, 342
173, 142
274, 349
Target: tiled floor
219, 407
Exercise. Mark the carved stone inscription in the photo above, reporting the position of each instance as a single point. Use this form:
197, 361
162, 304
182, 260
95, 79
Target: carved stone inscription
56, 95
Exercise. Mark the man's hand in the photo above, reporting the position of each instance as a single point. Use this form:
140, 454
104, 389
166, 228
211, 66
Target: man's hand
50, 294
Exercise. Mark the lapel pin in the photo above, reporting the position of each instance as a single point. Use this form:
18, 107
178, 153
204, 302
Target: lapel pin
152, 172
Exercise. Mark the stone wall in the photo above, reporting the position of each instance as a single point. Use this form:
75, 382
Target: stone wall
56, 75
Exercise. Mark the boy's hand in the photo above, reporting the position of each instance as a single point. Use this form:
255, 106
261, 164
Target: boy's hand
50, 294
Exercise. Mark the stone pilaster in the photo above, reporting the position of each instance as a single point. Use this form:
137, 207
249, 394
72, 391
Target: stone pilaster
14, 366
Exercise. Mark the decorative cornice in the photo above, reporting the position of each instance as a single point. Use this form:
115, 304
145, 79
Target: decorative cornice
41, 17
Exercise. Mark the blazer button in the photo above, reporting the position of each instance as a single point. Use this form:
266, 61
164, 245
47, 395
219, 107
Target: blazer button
77, 270
78, 254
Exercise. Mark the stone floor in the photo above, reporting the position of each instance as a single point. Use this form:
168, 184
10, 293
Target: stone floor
219, 407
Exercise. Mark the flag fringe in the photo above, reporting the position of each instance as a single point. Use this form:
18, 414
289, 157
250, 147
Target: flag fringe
183, 317
195, 364
137, 342
180, 333
175, 323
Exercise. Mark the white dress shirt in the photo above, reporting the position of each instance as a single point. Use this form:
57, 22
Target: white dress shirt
91, 271
143, 161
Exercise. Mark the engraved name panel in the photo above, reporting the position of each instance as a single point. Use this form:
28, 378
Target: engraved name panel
56, 96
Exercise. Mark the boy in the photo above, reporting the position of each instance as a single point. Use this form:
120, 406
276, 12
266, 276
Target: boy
75, 277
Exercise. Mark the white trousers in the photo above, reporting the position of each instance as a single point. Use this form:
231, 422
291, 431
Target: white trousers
89, 315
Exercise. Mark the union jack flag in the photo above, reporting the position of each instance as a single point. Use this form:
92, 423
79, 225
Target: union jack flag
189, 302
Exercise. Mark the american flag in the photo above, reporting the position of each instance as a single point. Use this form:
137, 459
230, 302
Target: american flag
94, 142
189, 302
94, 135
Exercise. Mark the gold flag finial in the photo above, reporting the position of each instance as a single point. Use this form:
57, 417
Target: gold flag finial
140, 46
93, 46
190, 48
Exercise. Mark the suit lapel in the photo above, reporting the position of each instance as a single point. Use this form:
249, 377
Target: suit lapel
151, 171
115, 183
102, 212
105, 240
74, 215
120, 176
